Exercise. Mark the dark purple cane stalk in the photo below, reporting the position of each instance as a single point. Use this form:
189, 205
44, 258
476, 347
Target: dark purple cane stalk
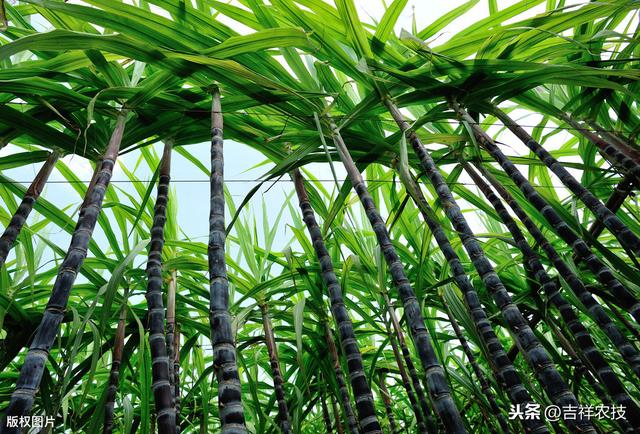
501, 363
406, 383
336, 416
361, 389
413, 373
580, 333
597, 312
325, 414
342, 385
627, 238
614, 202
34, 362
162, 390
536, 355
170, 335
616, 154
114, 373
223, 341
482, 379
274, 362
441, 398
19, 218
601, 271
386, 399
612, 137
176, 374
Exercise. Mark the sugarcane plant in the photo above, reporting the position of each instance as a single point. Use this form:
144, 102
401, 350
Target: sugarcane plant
116, 360
19, 218
162, 390
224, 352
468, 286
278, 381
581, 334
34, 364
363, 397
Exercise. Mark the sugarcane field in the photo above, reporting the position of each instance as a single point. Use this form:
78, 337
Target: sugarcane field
319, 216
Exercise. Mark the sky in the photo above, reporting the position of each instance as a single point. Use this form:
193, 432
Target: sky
191, 185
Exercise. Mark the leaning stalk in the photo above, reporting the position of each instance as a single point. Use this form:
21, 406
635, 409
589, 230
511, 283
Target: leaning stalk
359, 384
482, 379
614, 202
274, 362
601, 271
224, 349
501, 364
34, 363
580, 333
405, 380
24, 209
413, 373
436, 381
597, 312
626, 237
536, 355
617, 154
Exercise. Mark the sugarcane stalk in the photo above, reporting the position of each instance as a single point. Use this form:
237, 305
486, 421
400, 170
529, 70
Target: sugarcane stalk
405, 380
30, 197
92, 183
386, 398
223, 341
170, 335
501, 364
620, 193
162, 390
580, 333
278, 382
114, 373
441, 398
536, 355
612, 137
413, 373
482, 379
596, 311
325, 415
336, 416
624, 235
581, 368
601, 271
342, 386
619, 156
176, 374
362, 391
33, 366
623, 319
